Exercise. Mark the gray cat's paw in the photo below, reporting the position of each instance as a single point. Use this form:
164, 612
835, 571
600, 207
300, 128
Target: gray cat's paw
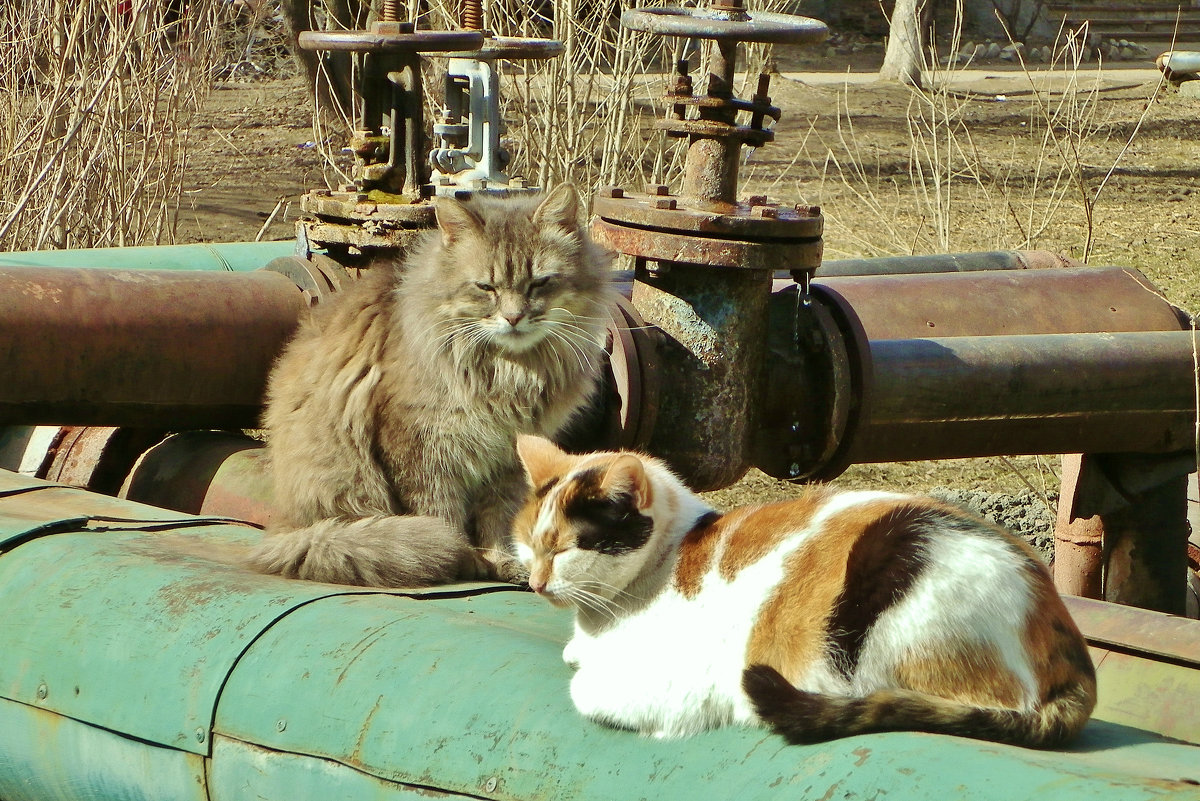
512, 571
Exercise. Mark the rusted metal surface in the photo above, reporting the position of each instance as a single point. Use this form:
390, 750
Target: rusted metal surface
204, 472
402, 39
514, 47
714, 326
704, 259
1073, 300
750, 219
1146, 543
634, 362
924, 386
1078, 542
96, 458
1055, 393
1123, 529
1147, 665
368, 207
1155, 634
728, 25
943, 263
815, 388
663, 246
140, 348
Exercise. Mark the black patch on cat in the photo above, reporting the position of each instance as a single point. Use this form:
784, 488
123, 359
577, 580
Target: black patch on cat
805, 717
1074, 650
544, 490
607, 525
705, 520
880, 568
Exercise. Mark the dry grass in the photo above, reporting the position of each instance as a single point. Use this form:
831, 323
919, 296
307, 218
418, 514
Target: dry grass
96, 98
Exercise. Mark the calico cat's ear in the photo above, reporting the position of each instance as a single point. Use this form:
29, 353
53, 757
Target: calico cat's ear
543, 460
454, 220
627, 475
559, 210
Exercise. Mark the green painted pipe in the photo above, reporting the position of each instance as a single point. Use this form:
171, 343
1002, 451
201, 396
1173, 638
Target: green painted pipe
133, 667
231, 256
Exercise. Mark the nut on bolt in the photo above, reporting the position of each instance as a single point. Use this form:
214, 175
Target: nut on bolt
664, 203
661, 190
612, 191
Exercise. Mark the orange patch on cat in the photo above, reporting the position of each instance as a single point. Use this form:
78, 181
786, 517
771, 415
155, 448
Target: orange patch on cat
1055, 646
696, 554
764, 528
791, 631
970, 673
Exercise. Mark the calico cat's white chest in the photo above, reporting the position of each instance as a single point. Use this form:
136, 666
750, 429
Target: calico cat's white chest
667, 671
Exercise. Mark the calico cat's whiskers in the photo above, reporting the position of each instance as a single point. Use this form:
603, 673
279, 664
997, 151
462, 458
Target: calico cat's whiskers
578, 596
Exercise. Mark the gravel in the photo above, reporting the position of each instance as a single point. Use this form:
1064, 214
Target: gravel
1025, 514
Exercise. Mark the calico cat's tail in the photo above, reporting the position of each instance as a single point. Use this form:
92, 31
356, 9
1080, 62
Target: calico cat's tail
806, 717
385, 551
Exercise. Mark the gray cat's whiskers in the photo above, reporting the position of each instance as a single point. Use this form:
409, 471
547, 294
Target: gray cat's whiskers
581, 355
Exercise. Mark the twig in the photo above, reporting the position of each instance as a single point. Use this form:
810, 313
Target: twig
271, 217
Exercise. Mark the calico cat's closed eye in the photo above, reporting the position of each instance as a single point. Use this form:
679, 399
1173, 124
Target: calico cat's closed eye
542, 281
484, 286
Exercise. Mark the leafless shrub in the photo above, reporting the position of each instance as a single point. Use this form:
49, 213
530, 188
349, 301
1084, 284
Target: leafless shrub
95, 98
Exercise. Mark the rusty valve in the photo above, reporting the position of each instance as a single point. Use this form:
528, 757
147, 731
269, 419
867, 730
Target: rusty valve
381, 208
704, 258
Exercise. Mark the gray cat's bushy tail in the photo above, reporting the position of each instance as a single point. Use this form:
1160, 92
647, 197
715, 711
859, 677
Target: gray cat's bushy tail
806, 717
384, 551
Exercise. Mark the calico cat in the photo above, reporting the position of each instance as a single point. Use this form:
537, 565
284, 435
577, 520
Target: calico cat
392, 416
835, 614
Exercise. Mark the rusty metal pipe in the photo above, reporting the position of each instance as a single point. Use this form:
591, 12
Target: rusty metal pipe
942, 263
1051, 393
1078, 542
167, 349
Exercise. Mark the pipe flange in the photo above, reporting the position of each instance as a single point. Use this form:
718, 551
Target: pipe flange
370, 206
681, 248
390, 37
751, 234
752, 219
729, 24
633, 360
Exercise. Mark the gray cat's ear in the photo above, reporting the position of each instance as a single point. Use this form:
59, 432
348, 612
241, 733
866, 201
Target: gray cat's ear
628, 474
454, 220
559, 210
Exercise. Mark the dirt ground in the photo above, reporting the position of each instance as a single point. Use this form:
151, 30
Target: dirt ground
1130, 147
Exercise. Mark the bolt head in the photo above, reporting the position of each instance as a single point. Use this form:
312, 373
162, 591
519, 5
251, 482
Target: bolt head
665, 203
764, 212
661, 190
612, 191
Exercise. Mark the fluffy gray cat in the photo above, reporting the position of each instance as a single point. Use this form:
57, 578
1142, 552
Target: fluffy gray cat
392, 416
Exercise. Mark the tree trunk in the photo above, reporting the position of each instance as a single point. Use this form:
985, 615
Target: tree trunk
905, 55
